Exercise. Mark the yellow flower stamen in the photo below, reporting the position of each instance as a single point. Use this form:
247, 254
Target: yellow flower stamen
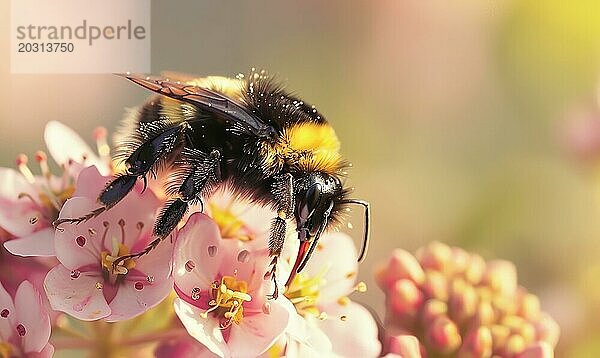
304, 292
53, 200
229, 224
228, 299
108, 258
276, 351
361, 287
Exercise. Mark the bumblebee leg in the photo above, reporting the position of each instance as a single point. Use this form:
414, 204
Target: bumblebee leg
276, 240
136, 255
196, 180
142, 161
159, 145
113, 193
201, 175
88, 216
282, 190
169, 217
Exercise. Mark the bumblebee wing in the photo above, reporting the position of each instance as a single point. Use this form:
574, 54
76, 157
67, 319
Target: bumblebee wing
208, 100
179, 76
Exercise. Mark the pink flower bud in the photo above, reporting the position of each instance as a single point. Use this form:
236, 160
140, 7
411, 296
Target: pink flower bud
405, 298
484, 315
405, 345
474, 272
460, 260
539, 350
443, 335
435, 256
401, 265
435, 285
462, 303
477, 344
433, 309
547, 330
500, 336
501, 276
504, 305
514, 323
515, 344
465, 307
529, 307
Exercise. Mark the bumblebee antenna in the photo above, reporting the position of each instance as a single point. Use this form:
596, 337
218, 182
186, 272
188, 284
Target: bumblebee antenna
367, 237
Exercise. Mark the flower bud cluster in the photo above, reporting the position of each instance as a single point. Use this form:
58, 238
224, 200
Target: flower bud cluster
457, 304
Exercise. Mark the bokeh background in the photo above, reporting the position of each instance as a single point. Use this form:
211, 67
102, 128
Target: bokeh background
468, 122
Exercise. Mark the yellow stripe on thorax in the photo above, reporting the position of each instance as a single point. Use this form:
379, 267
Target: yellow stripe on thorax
309, 147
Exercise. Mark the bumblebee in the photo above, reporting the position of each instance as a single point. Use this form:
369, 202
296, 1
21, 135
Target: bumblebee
248, 133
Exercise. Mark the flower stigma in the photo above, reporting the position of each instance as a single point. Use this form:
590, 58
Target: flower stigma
118, 249
51, 193
227, 300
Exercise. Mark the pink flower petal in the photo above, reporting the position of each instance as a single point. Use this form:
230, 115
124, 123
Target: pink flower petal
355, 335
39, 243
316, 344
78, 297
202, 257
302, 340
6, 308
186, 347
256, 333
139, 213
90, 182
136, 297
75, 245
256, 218
78, 245
12, 183
33, 316
296, 328
337, 254
197, 256
157, 264
15, 212
65, 144
204, 330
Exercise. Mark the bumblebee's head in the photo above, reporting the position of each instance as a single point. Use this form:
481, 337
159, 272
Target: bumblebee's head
318, 196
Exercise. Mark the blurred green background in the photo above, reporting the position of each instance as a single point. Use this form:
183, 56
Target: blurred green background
455, 115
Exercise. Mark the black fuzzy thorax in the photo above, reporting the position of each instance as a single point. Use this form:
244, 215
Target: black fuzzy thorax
242, 167
267, 99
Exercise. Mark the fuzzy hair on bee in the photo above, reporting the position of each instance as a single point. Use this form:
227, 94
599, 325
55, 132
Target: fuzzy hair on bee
247, 133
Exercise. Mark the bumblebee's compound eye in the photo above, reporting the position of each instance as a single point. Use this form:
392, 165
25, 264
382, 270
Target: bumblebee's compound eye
310, 202
313, 194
